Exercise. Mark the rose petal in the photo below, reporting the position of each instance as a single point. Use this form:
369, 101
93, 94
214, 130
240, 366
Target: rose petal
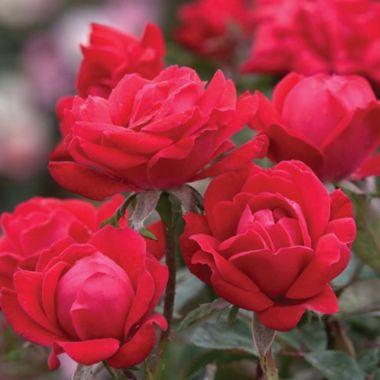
90, 351
140, 345
84, 181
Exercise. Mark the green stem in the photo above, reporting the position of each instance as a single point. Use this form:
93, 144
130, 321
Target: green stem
169, 213
268, 367
110, 370
263, 338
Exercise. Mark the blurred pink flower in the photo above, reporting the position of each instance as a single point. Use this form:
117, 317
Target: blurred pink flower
24, 138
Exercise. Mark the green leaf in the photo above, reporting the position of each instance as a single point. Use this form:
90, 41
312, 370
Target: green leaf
214, 356
310, 336
148, 234
203, 311
187, 288
232, 314
369, 360
361, 297
367, 243
335, 365
215, 332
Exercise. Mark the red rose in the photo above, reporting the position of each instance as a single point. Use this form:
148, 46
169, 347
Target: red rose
112, 53
93, 301
332, 123
158, 133
40, 223
312, 36
271, 241
214, 27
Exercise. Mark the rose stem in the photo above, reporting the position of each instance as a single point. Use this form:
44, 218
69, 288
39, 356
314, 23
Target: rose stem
263, 338
109, 370
169, 213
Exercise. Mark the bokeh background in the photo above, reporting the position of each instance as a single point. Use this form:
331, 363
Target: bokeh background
39, 58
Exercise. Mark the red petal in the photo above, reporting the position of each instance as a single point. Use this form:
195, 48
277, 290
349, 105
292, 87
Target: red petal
8, 265
194, 224
341, 205
160, 276
85, 181
143, 302
282, 89
22, 324
101, 306
29, 291
285, 144
153, 38
48, 294
355, 142
124, 246
253, 300
318, 273
274, 273
238, 158
324, 302
140, 345
156, 247
344, 229
282, 318
90, 351
370, 167
310, 192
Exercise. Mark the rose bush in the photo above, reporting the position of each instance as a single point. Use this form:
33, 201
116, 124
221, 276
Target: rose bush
158, 133
214, 27
40, 223
330, 122
93, 301
112, 53
309, 37
271, 241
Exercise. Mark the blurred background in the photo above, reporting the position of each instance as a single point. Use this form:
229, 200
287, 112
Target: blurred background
39, 58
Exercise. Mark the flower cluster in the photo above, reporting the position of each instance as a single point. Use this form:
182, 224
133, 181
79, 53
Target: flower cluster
213, 28
317, 36
85, 280
306, 36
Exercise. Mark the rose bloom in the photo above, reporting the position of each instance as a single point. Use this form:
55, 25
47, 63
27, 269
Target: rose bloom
40, 223
312, 36
271, 241
93, 301
154, 134
330, 122
214, 27
112, 53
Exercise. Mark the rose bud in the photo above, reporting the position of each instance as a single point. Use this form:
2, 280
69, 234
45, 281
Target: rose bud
94, 301
271, 241
154, 134
329, 122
